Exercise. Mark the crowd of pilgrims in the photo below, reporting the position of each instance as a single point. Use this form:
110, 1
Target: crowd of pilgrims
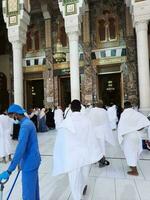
82, 133
51, 118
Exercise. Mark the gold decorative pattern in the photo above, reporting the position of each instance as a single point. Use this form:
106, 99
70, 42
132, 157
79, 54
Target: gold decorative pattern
110, 60
102, 61
71, 9
65, 65
13, 20
37, 68
61, 65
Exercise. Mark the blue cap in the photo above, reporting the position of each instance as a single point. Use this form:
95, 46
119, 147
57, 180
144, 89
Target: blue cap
14, 108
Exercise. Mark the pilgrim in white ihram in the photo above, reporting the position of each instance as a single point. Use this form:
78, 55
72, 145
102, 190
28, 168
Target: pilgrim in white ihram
102, 129
75, 149
6, 129
129, 134
112, 115
58, 116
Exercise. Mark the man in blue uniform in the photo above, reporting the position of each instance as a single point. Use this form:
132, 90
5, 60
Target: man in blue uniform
26, 155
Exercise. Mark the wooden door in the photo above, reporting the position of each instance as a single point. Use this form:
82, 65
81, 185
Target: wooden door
110, 88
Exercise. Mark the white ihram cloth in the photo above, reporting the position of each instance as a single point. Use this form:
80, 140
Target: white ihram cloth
82, 108
112, 115
87, 110
58, 117
101, 127
128, 135
67, 112
75, 149
78, 180
6, 129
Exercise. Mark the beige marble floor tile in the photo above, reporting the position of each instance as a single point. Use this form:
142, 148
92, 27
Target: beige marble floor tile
108, 183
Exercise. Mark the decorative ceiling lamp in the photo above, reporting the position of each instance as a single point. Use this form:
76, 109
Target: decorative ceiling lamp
59, 55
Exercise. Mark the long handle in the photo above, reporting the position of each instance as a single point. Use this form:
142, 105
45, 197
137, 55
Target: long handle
13, 185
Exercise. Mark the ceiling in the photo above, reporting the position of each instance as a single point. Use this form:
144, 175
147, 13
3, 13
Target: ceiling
53, 4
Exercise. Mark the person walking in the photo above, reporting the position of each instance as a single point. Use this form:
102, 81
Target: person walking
129, 134
6, 130
75, 150
102, 129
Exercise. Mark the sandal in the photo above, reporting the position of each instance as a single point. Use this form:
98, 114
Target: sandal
85, 189
148, 145
103, 163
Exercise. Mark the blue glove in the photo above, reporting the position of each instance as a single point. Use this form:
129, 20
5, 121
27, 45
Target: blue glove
4, 176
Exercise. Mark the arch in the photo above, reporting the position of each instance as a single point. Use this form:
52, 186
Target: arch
102, 30
112, 28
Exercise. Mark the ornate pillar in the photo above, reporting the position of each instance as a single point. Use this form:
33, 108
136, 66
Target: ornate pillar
71, 13
130, 70
143, 64
48, 79
48, 75
17, 19
88, 69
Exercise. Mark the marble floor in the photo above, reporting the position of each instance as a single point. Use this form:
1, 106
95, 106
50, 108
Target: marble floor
109, 183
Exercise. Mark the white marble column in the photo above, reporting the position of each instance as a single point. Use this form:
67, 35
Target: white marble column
143, 64
18, 72
74, 65
72, 13
17, 29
